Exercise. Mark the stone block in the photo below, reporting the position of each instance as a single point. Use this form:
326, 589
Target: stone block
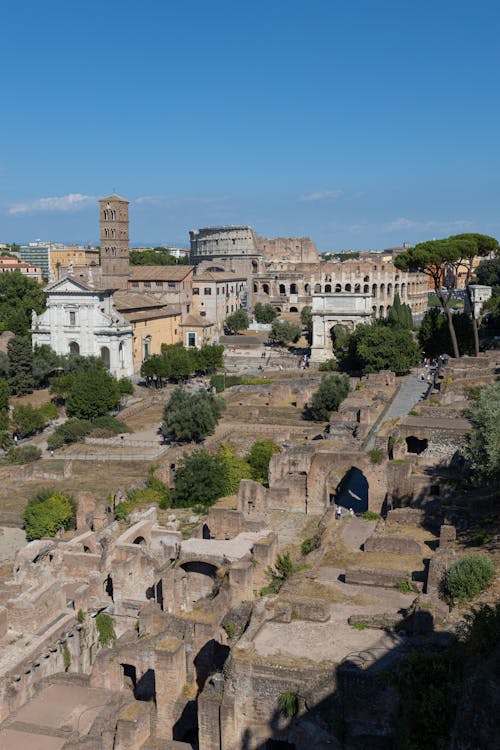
133, 726
447, 537
376, 577
396, 545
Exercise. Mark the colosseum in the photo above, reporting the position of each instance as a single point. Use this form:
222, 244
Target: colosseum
287, 272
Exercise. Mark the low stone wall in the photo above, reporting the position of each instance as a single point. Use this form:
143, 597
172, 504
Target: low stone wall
396, 545
376, 577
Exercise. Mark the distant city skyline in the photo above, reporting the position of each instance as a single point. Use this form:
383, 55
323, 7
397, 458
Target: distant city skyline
361, 125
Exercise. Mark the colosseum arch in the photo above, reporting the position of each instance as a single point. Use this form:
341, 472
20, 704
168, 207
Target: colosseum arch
374, 290
348, 288
293, 289
338, 288
328, 288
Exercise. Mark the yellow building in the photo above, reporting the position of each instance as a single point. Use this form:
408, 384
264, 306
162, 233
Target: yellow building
153, 323
78, 255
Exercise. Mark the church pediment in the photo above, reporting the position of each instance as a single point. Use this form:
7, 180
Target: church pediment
69, 285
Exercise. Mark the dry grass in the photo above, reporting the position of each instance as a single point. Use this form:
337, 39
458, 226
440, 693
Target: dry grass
340, 556
151, 415
309, 588
99, 477
36, 399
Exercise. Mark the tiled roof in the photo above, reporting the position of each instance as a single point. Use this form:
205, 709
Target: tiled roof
159, 273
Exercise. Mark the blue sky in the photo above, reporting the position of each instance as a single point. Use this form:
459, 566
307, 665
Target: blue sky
361, 124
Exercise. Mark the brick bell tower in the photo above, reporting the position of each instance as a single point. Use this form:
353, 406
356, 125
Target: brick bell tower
115, 263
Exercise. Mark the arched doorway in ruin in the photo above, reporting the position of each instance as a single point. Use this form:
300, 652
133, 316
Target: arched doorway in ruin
199, 581
352, 491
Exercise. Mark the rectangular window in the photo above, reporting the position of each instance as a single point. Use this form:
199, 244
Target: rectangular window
191, 339
147, 285
72, 318
172, 285
207, 291
135, 284
159, 284
196, 290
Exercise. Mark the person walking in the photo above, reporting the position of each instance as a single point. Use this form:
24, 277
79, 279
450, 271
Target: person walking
338, 513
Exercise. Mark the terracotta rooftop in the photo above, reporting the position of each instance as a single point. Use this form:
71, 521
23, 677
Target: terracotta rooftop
196, 321
219, 276
159, 273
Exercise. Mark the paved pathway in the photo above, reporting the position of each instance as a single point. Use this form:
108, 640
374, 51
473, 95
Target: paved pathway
410, 393
356, 531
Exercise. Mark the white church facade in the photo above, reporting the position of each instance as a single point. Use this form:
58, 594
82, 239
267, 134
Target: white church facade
82, 320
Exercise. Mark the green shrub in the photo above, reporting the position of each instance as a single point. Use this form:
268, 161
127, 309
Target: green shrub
479, 629
66, 655
105, 630
289, 703
360, 625
482, 537
376, 456
331, 365
72, 431
311, 543
126, 387
109, 424
25, 454
278, 575
259, 458
45, 517
49, 411
466, 578
230, 629
369, 515
405, 587
80, 616
123, 509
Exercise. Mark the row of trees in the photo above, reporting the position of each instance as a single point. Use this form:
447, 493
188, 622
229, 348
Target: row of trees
156, 256
176, 363
441, 261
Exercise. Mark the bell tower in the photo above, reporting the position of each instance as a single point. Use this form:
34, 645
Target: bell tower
113, 219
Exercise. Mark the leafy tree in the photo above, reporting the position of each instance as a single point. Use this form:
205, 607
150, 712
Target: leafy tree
126, 387
179, 362
435, 258
264, 313
20, 355
4, 395
400, 315
19, 296
45, 363
483, 449
61, 386
47, 517
283, 332
92, 394
488, 274
471, 246
72, 431
332, 391
4, 365
158, 256
191, 416
434, 334
340, 340
331, 365
378, 346
236, 468
259, 457
200, 479
208, 358
238, 321
306, 319
27, 420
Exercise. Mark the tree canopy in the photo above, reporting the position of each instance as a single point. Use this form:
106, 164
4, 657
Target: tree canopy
191, 416
483, 449
400, 314
20, 355
434, 334
177, 363
379, 346
283, 332
264, 313
200, 479
327, 398
157, 256
45, 516
259, 457
238, 321
19, 296
92, 394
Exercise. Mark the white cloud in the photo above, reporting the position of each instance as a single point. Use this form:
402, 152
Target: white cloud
61, 203
403, 223
322, 195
